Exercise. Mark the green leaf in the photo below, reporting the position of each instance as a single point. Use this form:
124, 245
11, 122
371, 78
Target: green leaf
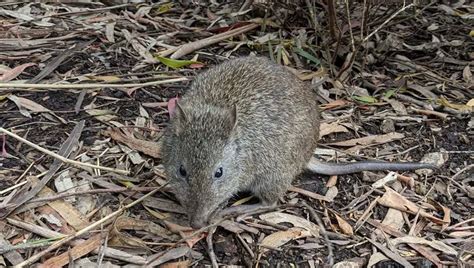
365, 99
389, 93
164, 8
307, 56
175, 64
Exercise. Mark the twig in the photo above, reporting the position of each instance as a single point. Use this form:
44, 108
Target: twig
93, 191
429, 112
452, 179
316, 218
350, 25
246, 246
332, 18
93, 85
387, 21
193, 46
23, 246
12, 187
210, 247
79, 233
245, 5
61, 158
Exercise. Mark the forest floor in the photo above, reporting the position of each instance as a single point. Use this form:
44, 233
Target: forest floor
85, 93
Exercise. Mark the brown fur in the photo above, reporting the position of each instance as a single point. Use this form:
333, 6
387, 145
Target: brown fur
249, 116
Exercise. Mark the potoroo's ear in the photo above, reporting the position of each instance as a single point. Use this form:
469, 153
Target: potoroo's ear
180, 117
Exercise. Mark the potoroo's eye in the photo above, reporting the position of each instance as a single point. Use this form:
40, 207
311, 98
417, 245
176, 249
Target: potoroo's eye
182, 171
218, 173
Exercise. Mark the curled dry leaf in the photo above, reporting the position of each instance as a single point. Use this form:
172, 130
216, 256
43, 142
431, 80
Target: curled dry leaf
394, 200
342, 224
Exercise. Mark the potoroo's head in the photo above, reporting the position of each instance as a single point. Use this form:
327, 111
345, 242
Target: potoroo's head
200, 156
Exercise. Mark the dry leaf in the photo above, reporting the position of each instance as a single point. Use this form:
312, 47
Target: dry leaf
280, 238
470, 103
25, 104
191, 241
394, 200
148, 147
335, 104
13, 73
279, 217
374, 139
101, 115
391, 176
169, 255
178, 264
331, 193
466, 74
76, 252
461, 234
326, 129
332, 181
342, 224
376, 258
438, 245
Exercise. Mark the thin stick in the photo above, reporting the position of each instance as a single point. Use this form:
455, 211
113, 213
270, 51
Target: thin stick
210, 247
387, 21
93, 85
12, 187
323, 231
93, 191
91, 227
61, 158
193, 46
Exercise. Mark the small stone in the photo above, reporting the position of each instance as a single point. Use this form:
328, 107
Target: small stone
387, 126
437, 158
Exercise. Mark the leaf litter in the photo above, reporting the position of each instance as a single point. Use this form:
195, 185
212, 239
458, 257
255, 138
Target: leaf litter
390, 89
